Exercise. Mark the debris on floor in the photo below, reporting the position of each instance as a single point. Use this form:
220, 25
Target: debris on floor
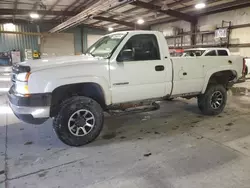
43, 174
28, 143
146, 118
147, 154
230, 124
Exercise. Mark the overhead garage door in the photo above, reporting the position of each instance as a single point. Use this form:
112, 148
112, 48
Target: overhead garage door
91, 39
58, 44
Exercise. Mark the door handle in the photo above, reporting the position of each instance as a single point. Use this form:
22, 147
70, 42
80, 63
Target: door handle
184, 73
159, 68
230, 62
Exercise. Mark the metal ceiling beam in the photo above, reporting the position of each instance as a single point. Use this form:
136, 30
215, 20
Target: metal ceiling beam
15, 8
225, 7
120, 22
145, 13
35, 5
41, 12
97, 7
151, 20
21, 33
20, 21
186, 9
83, 5
11, 2
178, 3
170, 5
174, 13
66, 10
51, 8
127, 12
78, 8
210, 10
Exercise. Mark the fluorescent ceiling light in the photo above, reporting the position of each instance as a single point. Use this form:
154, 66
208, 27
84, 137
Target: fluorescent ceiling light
140, 21
111, 29
9, 27
200, 6
34, 15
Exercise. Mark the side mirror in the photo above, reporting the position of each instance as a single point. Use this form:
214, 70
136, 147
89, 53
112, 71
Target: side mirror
125, 55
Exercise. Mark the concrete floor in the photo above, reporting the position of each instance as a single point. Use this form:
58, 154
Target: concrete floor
173, 147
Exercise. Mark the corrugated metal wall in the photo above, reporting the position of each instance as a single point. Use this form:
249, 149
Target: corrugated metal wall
18, 41
21, 42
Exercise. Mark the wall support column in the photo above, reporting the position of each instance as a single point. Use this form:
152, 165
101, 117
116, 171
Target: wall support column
193, 33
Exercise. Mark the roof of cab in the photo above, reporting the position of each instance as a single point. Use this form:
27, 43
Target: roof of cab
134, 31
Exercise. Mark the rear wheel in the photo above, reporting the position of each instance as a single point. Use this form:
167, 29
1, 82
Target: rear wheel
213, 101
79, 121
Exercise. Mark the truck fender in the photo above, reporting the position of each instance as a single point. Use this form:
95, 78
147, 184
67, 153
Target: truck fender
103, 83
210, 73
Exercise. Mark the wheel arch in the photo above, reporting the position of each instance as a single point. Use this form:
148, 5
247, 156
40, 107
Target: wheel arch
88, 89
223, 77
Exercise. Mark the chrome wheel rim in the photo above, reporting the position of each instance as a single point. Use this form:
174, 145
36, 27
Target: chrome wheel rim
81, 122
216, 100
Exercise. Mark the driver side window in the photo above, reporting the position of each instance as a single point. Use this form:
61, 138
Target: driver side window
140, 48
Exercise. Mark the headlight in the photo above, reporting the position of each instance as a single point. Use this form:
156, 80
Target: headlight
23, 77
22, 89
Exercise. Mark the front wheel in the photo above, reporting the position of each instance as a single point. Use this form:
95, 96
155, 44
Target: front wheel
79, 121
213, 101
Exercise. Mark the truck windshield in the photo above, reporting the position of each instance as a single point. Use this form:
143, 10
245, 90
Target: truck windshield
106, 45
193, 53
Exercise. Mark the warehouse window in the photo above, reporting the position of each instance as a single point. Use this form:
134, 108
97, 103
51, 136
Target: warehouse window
144, 47
222, 53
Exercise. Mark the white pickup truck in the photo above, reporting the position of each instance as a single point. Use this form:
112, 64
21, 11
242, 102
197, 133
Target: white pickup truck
119, 68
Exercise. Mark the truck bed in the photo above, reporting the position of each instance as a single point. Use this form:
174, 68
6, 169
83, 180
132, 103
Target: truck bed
189, 73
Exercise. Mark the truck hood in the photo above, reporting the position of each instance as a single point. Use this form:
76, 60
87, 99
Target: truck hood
52, 62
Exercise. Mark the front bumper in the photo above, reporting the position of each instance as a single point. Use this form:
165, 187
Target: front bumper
34, 109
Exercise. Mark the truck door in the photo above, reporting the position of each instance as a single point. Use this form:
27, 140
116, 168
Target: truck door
139, 71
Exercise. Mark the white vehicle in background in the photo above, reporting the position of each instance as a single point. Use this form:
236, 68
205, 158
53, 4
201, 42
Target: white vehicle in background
247, 63
120, 68
5, 74
197, 52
